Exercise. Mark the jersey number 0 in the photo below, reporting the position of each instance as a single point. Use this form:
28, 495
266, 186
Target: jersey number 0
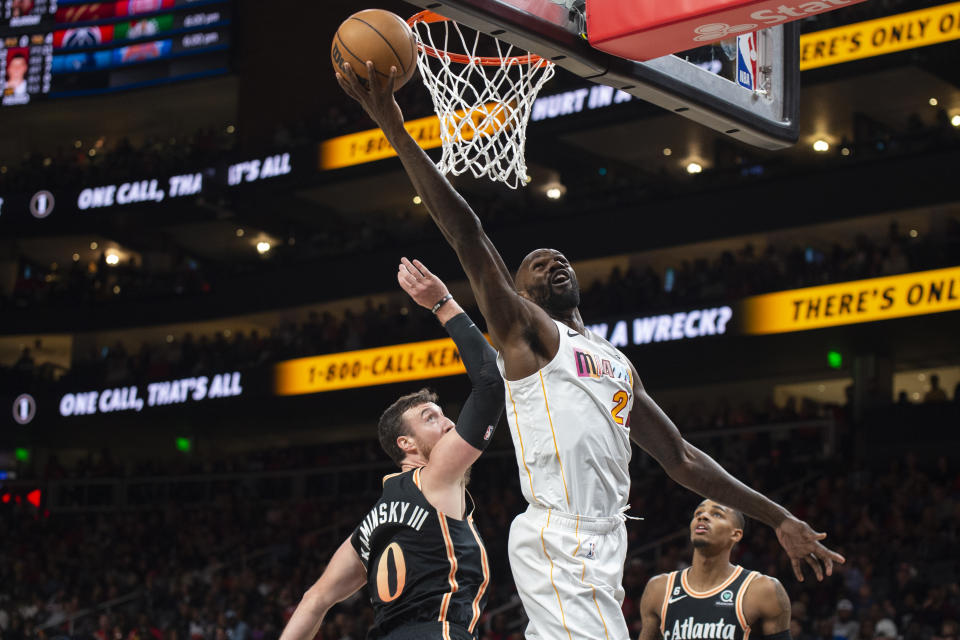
383, 573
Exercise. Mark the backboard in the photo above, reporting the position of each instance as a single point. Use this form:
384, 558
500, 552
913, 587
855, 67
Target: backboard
746, 87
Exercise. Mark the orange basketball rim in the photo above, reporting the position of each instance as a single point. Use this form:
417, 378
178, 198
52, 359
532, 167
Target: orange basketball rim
429, 17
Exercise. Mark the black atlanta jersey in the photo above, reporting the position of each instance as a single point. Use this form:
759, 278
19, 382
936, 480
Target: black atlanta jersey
716, 614
423, 567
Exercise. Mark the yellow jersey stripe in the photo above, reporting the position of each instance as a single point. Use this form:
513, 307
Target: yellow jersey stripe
554, 434
604, 622
583, 576
516, 417
563, 618
576, 532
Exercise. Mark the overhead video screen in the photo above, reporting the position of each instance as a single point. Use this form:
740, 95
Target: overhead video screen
52, 49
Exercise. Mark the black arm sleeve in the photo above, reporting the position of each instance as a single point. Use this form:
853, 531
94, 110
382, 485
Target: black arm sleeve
481, 412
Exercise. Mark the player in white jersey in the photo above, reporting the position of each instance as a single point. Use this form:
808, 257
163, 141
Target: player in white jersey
573, 404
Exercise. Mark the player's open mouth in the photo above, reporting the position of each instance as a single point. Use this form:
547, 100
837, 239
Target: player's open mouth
701, 528
560, 277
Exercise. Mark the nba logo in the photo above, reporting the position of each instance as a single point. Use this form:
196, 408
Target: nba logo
747, 61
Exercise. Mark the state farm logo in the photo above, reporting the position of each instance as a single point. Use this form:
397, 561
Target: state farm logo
718, 30
769, 15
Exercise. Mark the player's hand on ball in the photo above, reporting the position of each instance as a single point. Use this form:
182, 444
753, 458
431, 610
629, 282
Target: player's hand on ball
376, 98
802, 544
425, 288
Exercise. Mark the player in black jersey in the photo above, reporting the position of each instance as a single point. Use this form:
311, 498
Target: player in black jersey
418, 549
714, 599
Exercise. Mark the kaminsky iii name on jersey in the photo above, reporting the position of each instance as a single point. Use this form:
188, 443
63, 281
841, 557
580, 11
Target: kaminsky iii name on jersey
423, 566
392, 512
716, 614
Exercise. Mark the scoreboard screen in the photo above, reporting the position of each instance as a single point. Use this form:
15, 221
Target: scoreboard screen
61, 48
26, 13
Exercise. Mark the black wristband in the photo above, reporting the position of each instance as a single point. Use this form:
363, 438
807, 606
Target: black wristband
781, 635
445, 299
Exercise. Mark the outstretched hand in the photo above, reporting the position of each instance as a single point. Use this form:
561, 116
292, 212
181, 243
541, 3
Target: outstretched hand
425, 288
802, 544
375, 95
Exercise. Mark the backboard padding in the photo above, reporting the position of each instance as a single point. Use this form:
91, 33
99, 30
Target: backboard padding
543, 27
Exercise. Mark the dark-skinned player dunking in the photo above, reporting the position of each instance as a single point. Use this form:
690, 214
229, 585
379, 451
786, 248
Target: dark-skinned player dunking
714, 599
574, 403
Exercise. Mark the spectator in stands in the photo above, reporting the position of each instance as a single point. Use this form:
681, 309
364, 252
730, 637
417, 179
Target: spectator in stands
730, 273
948, 631
885, 629
935, 394
172, 551
25, 363
103, 630
845, 627
797, 631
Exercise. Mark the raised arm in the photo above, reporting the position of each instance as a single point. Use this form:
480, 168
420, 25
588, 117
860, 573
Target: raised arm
343, 576
650, 607
509, 316
655, 433
460, 447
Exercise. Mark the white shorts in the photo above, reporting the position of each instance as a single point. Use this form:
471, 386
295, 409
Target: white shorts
568, 570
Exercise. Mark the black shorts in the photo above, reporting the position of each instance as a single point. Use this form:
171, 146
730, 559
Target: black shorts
428, 631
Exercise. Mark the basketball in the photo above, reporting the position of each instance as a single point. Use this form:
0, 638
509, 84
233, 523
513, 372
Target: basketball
379, 36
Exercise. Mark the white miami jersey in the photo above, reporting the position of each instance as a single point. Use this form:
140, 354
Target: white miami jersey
569, 424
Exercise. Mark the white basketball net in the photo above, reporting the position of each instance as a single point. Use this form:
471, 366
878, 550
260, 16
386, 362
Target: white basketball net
483, 109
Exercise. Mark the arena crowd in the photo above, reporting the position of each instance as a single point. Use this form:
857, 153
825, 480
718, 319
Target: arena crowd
235, 566
726, 277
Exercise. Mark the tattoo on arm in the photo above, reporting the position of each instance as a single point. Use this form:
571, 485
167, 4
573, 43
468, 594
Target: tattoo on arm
779, 621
